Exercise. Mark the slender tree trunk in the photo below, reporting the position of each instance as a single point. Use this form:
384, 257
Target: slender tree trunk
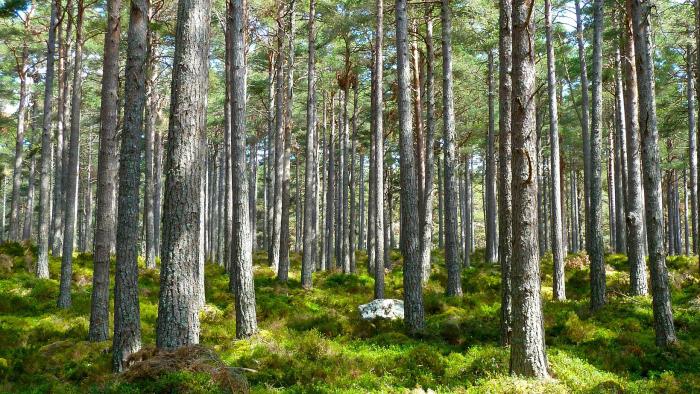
635, 201
29, 214
42, 266
378, 226
661, 304
505, 157
574, 212
71, 206
468, 197
310, 243
413, 291
127, 321
179, 304
241, 251
106, 178
253, 194
612, 191
149, 132
620, 162
490, 173
595, 246
454, 277
352, 238
527, 354
330, 192
692, 151
559, 281
585, 134
441, 210
361, 214
24, 101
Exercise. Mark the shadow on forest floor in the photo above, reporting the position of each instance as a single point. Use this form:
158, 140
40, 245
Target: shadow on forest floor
314, 340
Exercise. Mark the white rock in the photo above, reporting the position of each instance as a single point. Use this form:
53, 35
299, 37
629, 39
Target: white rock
382, 309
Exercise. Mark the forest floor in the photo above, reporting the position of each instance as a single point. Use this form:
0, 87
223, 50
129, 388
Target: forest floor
315, 341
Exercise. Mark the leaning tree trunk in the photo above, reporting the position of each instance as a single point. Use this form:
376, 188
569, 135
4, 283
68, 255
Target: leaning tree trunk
454, 275
595, 246
310, 243
378, 177
505, 234
527, 352
558, 286
42, 264
635, 202
127, 321
241, 247
661, 303
71, 202
179, 304
412, 286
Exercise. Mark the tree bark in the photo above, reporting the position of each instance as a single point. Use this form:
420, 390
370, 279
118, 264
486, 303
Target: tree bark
635, 202
620, 162
585, 134
330, 192
454, 275
310, 243
692, 152
378, 139
661, 304
127, 321
152, 100
595, 246
413, 291
490, 172
505, 157
527, 354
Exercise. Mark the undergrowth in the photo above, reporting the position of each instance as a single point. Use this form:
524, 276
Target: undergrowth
314, 340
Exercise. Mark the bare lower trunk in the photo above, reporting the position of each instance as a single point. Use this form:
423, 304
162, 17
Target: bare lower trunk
585, 134
663, 314
692, 152
454, 276
490, 173
413, 291
127, 321
527, 354
379, 224
505, 234
179, 304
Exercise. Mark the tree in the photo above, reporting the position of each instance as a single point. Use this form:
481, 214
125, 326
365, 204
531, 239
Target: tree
42, 264
378, 140
595, 245
241, 251
71, 201
527, 351
178, 307
310, 205
412, 283
505, 236
661, 303
127, 320
559, 292
490, 173
585, 123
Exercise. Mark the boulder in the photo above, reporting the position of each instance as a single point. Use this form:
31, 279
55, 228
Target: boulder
382, 309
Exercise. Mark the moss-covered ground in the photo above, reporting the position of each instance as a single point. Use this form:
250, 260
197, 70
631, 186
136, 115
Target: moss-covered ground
314, 341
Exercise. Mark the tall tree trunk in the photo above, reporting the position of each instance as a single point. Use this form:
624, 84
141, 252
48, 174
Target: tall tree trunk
559, 281
505, 156
527, 354
29, 213
595, 246
454, 275
310, 243
361, 204
441, 210
106, 178
270, 162
24, 101
635, 201
283, 272
379, 224
692, 151
413, 291
352, 239
241, 251
620, 162
127, 321
330, 192
152, 100
585, 134
661, 304
71, 201
274, 247
253, 194
490, 173
42, 266
179, 304
468, 196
